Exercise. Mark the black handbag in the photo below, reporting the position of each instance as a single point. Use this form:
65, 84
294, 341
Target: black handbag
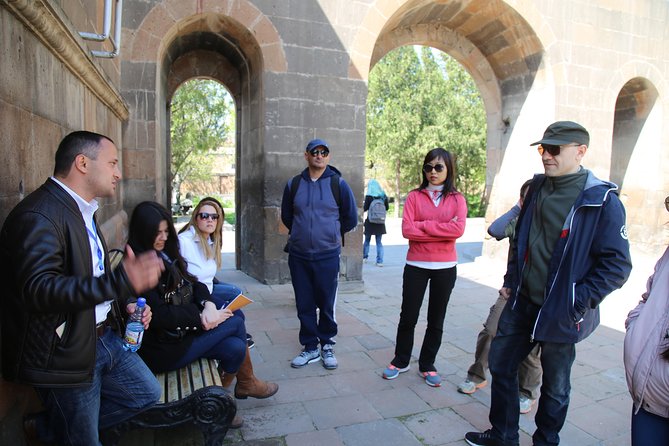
181, 295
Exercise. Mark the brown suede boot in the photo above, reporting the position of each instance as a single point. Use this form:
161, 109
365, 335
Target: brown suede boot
250, 386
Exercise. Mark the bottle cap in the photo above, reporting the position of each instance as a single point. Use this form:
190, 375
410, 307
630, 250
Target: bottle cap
141, 301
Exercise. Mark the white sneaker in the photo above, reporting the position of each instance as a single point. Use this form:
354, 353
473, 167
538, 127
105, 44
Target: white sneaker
304, 358
328, 357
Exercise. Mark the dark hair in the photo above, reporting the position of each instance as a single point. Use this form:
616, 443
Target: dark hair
143, 229
449, 160
76, 143
524, 188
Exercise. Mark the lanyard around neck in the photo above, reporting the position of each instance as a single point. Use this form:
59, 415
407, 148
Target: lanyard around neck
98, 250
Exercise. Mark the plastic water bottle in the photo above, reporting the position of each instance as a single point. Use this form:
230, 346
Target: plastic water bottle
134, 330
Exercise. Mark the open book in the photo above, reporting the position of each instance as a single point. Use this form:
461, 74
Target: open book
238, 302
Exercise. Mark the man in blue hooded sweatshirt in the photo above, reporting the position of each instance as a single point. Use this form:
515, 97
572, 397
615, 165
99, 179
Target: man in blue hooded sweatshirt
317, 220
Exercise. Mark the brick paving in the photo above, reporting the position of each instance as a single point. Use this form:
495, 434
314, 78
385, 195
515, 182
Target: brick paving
354, 406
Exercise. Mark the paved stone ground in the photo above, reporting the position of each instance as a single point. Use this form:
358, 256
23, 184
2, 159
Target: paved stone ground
354, 406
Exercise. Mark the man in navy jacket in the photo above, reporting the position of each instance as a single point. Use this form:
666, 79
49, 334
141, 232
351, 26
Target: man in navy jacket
317, 221
571, 251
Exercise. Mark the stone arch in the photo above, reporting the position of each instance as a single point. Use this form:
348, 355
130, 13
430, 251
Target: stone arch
638, 164
231, 42
496, 44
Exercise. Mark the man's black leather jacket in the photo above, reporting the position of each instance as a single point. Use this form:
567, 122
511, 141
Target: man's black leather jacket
47, 279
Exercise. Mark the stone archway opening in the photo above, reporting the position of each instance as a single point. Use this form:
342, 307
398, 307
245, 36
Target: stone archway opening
634, 105
218, 48
500, 50
636, 159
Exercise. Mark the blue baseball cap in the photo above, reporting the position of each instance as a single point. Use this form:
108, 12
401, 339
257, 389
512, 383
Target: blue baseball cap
316, 143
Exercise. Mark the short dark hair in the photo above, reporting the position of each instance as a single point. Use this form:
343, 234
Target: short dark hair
449, 160
76, 143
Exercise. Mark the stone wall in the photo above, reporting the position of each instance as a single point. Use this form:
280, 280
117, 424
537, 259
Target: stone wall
298, 69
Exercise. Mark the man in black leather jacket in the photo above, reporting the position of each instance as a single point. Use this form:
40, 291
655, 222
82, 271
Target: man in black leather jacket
61, 301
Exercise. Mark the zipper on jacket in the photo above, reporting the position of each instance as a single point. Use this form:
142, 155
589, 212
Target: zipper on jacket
557, 272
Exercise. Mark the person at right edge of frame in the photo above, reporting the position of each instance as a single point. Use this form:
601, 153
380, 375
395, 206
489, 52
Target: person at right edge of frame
571, 251
317, 221
646, 358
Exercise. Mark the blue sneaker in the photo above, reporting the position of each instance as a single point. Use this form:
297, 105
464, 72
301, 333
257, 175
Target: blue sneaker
432, 379
392, 372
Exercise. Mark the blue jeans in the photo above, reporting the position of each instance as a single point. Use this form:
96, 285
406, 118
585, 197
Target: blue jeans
122, 387
379, 247
414, 283
315, 287
223, 293
227, 343
509, 348
648, 428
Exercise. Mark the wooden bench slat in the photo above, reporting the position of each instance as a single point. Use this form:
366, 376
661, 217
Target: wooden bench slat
185, 386
207, 372
172, 387
161, 380
197, 375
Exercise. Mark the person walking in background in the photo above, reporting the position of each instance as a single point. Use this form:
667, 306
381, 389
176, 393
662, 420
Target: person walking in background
317, 207
376, 206
434, 218
529, 374
646, 358
63, 306
200, 244
570, 251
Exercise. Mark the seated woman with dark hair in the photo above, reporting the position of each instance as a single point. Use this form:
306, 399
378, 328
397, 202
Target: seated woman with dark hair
186, 325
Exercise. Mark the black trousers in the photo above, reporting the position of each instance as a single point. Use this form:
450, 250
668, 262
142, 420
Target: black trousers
414, 283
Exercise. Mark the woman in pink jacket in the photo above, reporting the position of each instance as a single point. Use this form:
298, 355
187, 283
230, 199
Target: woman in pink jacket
434, 217
646, 358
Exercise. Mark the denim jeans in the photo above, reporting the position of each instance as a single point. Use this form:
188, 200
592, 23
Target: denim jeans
379, 247
648, 428
529, 372
122, 387
509, 348
223, 293
414, 283
315, 286
227, 343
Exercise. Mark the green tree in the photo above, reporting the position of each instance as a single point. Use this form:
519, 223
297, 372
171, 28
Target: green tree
418, 101
202, 116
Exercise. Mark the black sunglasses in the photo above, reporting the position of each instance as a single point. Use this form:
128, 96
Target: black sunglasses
666, 203
206, 215
322, 152
427, 168
552, 149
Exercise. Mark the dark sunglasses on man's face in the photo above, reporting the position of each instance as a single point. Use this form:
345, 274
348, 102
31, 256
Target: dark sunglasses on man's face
427, 168
552, 149
316, 152
206, 215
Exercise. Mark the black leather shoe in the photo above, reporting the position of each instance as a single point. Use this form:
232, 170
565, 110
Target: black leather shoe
482, 439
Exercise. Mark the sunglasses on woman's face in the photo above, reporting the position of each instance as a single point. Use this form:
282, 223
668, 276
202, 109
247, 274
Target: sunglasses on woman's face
427, 168
206, 215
